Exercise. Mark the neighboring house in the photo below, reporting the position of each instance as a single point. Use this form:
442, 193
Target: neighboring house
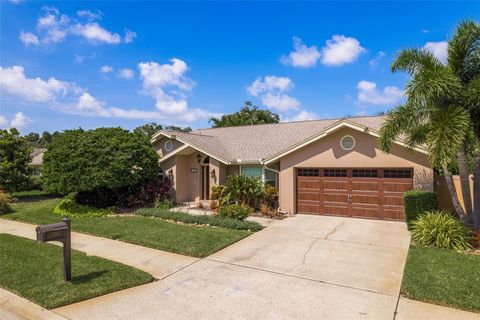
329, 167
37, 160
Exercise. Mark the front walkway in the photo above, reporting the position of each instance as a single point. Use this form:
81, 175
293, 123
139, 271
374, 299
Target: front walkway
156, 262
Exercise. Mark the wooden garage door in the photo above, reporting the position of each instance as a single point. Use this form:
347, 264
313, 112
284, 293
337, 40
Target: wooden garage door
375, 193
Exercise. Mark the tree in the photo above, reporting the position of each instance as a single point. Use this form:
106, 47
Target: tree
442, 110
175, 128
148, 129
33, 139
249, 114
98, 160
14, 158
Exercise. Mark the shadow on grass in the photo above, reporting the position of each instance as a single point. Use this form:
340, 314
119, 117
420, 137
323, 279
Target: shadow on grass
88, 277
35, 198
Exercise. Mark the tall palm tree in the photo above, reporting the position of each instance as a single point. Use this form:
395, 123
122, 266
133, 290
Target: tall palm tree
442, 110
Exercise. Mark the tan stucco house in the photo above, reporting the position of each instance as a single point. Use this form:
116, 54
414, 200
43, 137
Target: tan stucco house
331, 167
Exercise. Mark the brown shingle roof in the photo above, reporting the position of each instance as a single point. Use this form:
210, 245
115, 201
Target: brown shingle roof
257, 142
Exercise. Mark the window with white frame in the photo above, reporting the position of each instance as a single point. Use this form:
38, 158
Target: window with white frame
271, 178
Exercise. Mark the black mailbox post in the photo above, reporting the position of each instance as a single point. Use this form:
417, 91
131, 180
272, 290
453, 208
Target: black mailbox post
59, 231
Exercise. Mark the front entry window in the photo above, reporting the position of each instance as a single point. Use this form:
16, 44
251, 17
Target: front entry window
252, 171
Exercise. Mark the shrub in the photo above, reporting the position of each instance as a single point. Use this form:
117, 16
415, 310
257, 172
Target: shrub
264, 209
271, 197
5, 200
100, 159
217, 192
235, 211
440, 229
216, 221
244, 190
417, 202
69, 208
164, 204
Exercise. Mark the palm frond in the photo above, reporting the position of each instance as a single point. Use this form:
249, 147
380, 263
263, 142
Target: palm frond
437, 84
414, 60
397, 122
446, 137
464, 51
417, 135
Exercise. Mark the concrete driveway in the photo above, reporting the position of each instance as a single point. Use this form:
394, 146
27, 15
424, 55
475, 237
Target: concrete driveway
305, 267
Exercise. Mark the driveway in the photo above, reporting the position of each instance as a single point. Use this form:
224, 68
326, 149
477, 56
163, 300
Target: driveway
305, 267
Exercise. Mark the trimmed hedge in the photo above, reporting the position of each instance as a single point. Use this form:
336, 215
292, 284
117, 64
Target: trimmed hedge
69, 208
216, 221
418, 202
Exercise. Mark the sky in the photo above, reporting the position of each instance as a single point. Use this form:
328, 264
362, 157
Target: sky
95, 64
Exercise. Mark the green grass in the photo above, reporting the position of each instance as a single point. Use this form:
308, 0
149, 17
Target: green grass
32, 195
155, 233
442, 276
35, 271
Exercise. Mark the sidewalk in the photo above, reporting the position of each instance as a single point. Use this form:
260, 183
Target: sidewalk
13, 307
158, 263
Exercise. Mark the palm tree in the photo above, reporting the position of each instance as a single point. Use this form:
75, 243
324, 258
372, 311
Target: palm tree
442, 110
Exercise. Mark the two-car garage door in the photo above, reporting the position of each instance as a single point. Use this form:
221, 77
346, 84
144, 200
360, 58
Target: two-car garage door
375, 193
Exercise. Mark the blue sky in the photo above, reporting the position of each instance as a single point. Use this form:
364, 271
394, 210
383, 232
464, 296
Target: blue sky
92, 64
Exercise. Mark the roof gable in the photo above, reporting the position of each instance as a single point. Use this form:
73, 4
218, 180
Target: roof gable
268, 142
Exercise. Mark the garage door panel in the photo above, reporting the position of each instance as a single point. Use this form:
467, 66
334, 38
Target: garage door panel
392, 213
399, 186
335, 185
393, 200
309, 196
368, 193
366, 212
337, 210
372, 199
363, 186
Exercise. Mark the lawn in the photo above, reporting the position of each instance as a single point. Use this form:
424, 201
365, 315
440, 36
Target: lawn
151, 232
442, 276
35, 271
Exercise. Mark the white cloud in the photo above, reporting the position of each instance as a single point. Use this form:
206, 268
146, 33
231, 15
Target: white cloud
29, 38
271, 90
374, 62
280, 102
126, 73
3, 122
94, 33
129, 36
106, 69
15, 1
302, 56
425, 31
169, 85
19, 120
303, 115
166, 83
269, 83
13, 81
438, 49
368, 93
341, 50
53, 27
87, 14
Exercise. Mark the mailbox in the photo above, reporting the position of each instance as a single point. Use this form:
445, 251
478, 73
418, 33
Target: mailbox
59, 231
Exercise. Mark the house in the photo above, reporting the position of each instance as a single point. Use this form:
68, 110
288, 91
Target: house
37, 160
331, 167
